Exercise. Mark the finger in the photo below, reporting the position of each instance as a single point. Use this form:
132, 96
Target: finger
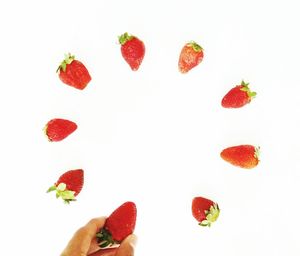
125, 249
105, 252
127, 246
94, 246
81, 241
94, 226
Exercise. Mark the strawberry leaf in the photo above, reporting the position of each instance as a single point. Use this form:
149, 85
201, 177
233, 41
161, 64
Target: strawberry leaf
67, 194
61, 187
67, 201
211, 216
196, 47
68, 60
52, 188
125, 38
245, 88
205, 223
244, 84
61, 191
104, 238
257, 152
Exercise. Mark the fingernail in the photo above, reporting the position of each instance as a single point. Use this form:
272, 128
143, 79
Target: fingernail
132, 240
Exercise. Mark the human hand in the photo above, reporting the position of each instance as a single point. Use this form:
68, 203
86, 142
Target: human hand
84, 242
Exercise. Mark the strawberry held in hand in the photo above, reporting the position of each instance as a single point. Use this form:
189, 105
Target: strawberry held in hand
205, 211
238, 96
69, 185
132, 49
244, 156
58, 129
73, 73
190, 56
118, 225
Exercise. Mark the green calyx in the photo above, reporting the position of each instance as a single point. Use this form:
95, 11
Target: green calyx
61, 191
196, 47
245, 88
68, 60
104, 238
125, 38
257, 152
211, 216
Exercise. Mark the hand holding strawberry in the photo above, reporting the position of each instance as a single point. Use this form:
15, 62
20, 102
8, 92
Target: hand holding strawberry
69, 185
73, 73
83, 242
118, 225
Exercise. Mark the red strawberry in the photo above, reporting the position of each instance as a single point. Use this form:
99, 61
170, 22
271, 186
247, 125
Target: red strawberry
72, 72
57, 129
68, 185
244, 156
191, 55
132, 49
205, 211
118, 225
238, 96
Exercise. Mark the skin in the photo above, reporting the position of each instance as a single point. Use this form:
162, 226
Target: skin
83, 242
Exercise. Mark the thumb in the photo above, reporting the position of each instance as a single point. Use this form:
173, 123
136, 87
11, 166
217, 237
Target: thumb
127, 246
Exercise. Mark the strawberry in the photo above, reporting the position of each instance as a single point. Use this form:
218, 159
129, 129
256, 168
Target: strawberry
73, 73
205, 211
69, 185
118, 225
132, 49
238, 96
57, 129
190, 56
244, 156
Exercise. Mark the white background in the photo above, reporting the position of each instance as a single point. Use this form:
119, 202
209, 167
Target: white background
153, 136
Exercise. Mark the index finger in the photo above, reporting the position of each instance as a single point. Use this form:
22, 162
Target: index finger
93, 226
83, 241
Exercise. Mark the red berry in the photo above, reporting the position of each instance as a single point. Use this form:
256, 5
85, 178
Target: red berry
73, 73
132, 49
238, 96
190, 56
205, 211
244, 156
58, 129
69, 185
118, 225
